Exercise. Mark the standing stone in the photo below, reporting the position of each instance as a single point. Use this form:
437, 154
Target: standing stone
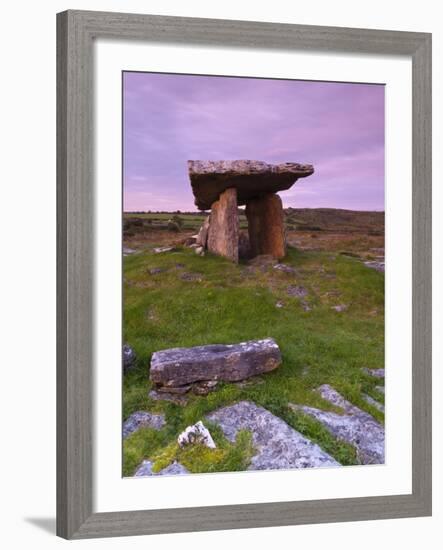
223, 227
266, 226
202, 237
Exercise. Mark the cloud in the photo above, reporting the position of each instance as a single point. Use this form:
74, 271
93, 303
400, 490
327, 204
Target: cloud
169, 119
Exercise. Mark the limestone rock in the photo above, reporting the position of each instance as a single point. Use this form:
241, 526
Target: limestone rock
354, 426
230, 363
175, 468
374, 403
278, 446
142, 419
202, 236
378, 266
223, 227
340, 308
376, 373
251, 178
266, 226
203, 388
286, 269
162, 249
297, 291
197, 434
128, 358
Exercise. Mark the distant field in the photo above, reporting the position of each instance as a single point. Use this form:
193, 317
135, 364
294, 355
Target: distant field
303, 219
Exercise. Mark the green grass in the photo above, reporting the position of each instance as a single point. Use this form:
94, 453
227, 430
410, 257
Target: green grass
232, 304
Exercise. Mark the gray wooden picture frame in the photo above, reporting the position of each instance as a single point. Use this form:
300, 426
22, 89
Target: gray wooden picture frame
76, 32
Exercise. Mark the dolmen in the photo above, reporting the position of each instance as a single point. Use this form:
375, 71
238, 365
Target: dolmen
176, 370
222, 186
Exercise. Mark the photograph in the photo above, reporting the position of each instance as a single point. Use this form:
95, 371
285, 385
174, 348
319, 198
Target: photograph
253, 282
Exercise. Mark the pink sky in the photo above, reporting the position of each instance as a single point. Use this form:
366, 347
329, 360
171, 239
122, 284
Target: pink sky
169, 119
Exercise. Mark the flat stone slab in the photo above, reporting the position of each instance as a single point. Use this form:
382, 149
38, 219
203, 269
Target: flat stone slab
142, 419
174, 469
251, 178
354, 426
278, 446
228, 362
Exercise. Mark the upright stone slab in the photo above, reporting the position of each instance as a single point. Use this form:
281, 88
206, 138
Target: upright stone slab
223, 227
266, 226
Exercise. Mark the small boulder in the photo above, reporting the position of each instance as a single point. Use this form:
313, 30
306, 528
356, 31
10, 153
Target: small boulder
156, 270
376, 373
285, 268
197, 434
161, 249
142, 419
203, 388
190, 241
297, 291
128, 358
340, 308
378, 266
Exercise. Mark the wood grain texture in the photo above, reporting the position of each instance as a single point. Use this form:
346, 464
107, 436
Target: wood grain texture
76, 31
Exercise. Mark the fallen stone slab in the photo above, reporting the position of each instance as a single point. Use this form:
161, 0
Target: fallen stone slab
227, 362
354, 426
196, 434
174, 469
142, 419
278, 446
251, 178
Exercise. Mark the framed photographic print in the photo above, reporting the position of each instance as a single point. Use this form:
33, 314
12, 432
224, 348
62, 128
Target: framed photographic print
244, 278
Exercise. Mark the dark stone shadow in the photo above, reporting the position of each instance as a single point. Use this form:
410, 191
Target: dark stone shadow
46, 524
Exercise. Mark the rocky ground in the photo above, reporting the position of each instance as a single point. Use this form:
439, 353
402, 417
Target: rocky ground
324, 307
